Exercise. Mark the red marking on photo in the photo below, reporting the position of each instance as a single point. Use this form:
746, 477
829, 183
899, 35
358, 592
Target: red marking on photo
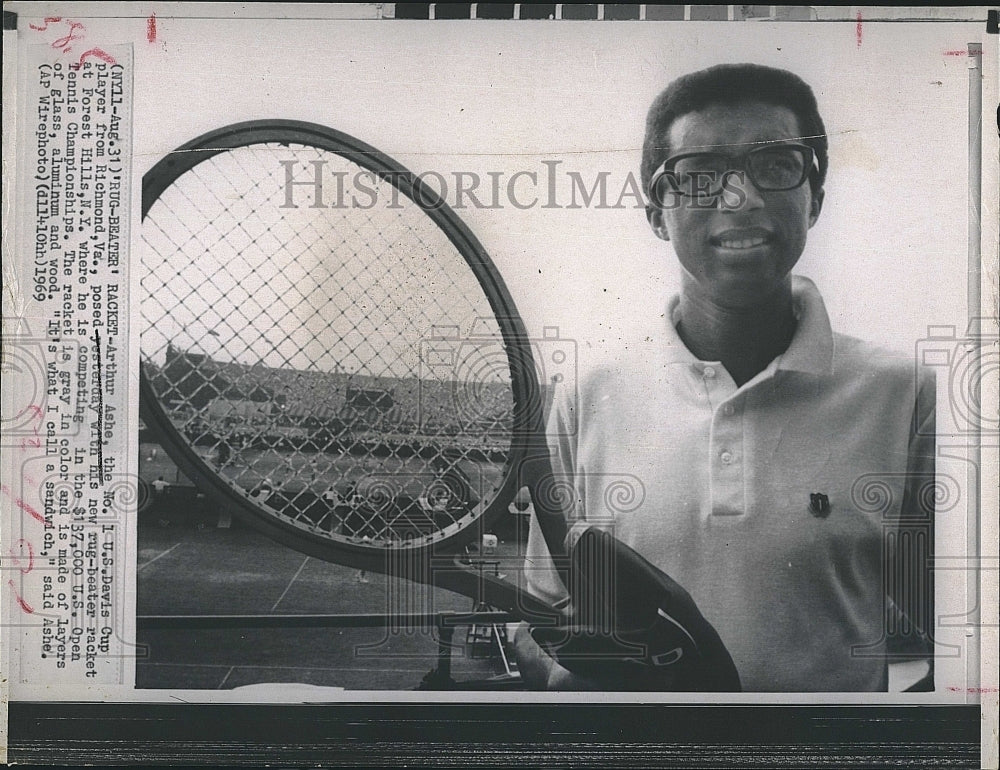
858, 30
16, 556
151, 28
64, 42
20, 600
46, 21
97, 53
23, 505
32, 442
956, 53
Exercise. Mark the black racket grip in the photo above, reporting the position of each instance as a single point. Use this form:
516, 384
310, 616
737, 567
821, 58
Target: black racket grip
632, 627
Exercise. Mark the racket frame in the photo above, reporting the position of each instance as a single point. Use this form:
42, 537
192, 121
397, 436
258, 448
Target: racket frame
528, 460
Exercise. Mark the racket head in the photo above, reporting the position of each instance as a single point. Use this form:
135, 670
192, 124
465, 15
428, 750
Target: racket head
322, 420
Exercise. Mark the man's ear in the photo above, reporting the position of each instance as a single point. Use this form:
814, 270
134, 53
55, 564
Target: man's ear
657, 222
816, 206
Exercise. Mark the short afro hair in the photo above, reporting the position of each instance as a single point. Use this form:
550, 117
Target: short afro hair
730, 84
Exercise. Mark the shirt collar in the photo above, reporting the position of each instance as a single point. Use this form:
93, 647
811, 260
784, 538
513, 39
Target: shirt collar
811, 349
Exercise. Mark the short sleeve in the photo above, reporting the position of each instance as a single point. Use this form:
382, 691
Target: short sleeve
561, 436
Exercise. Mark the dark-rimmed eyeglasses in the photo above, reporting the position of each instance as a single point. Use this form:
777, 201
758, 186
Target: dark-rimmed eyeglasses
772, 168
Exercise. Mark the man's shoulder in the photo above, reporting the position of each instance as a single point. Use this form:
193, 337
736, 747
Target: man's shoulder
626, 369
599, 385
859, 355
880, 365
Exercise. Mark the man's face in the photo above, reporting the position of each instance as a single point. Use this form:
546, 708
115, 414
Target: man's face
737, 256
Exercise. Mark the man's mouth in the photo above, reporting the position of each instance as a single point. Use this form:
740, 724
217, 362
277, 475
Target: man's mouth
741, 239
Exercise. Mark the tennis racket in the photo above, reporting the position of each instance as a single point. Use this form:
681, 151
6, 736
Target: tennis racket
348, 375
353, 379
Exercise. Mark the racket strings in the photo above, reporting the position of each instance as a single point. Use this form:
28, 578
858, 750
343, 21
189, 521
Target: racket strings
321, 361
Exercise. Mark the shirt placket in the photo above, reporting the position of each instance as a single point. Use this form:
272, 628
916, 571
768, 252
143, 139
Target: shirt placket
726, 456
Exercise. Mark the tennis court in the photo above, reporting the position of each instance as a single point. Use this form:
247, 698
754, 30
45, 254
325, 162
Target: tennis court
194, 559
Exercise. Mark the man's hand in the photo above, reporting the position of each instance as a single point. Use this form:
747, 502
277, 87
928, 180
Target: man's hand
658, 639
539, 671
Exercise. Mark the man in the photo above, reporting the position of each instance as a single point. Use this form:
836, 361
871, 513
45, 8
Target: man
160, 487
773, 460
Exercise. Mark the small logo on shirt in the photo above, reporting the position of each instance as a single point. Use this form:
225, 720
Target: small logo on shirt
819, 505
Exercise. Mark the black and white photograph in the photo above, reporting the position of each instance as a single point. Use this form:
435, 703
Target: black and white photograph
502, 354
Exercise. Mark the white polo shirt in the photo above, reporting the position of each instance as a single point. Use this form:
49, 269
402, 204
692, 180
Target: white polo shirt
712, 483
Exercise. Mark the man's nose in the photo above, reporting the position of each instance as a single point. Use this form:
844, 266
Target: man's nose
739, 193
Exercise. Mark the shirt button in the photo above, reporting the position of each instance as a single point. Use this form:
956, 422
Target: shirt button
709, 372
726, 458
729, 409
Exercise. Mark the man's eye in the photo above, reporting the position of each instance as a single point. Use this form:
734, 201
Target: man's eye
702, 165
781, 161
690, 178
